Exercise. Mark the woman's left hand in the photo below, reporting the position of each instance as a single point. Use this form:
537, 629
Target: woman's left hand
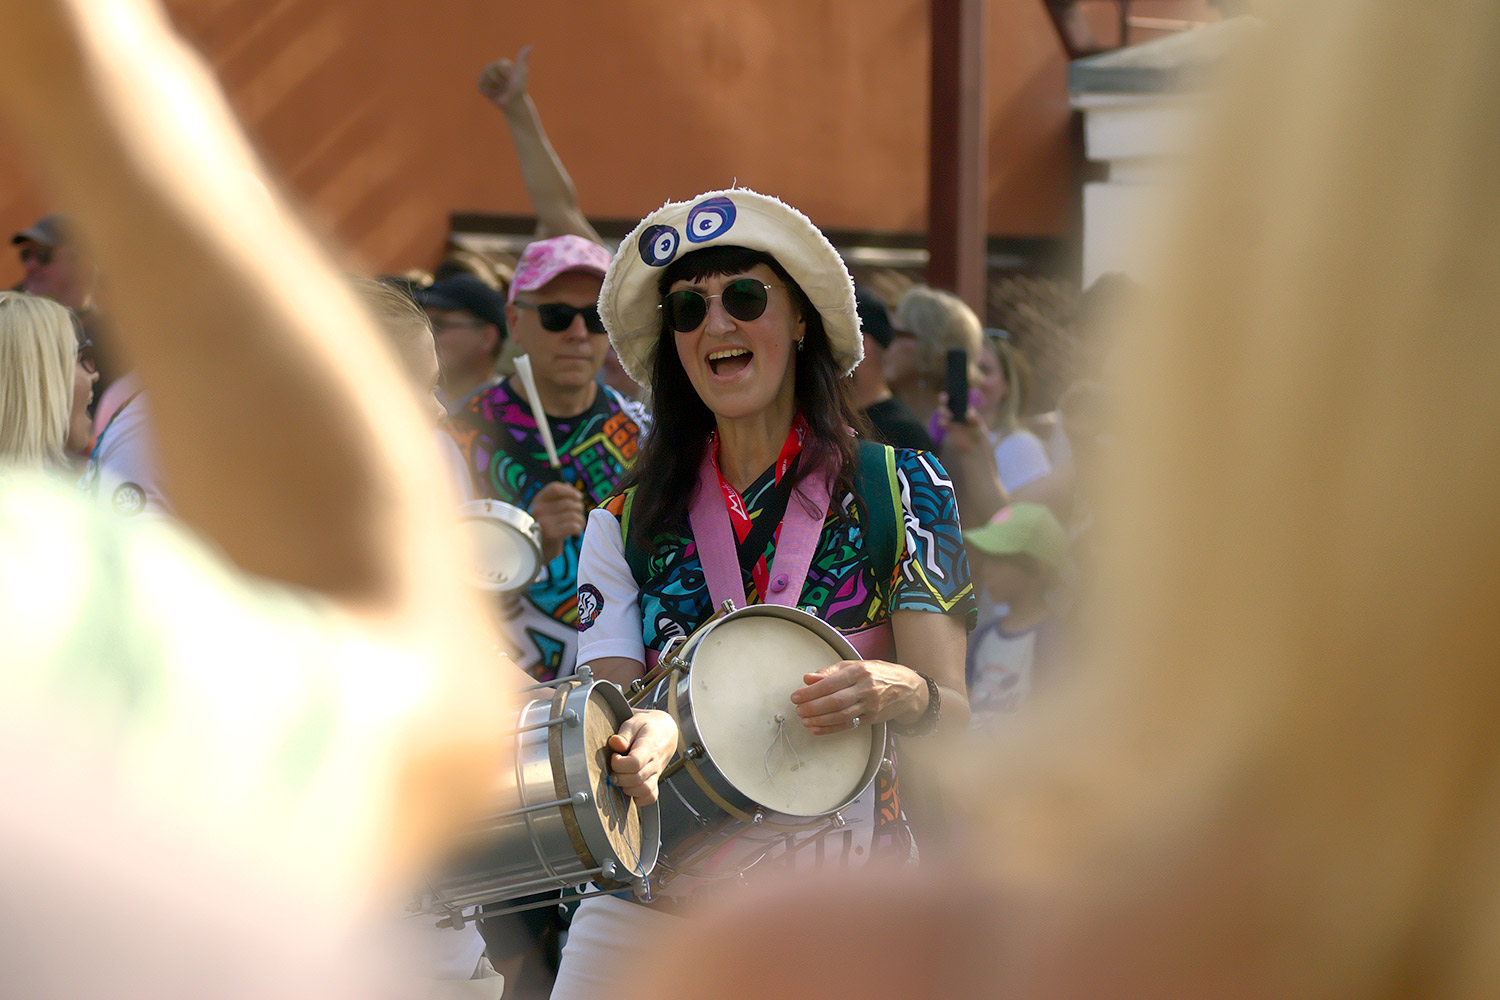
870, 690
642, 746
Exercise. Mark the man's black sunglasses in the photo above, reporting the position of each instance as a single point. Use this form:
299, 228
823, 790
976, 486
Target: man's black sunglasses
558, 316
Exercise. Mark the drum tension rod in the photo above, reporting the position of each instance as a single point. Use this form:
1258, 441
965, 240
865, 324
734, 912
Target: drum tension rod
582, 677
578, 798
568, 718
694, 752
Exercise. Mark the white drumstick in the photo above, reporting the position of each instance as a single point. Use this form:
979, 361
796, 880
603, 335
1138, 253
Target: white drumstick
523, 369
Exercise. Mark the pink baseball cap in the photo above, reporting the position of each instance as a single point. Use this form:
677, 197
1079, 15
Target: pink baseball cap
545, 259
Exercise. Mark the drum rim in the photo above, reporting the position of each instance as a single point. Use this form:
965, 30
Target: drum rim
823, 630
589, 820
517, 520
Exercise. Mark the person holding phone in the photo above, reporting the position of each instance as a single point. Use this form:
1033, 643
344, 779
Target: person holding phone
929, 323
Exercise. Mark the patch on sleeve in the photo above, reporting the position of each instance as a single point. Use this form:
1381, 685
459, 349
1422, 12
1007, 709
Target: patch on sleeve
128, 500
590, 603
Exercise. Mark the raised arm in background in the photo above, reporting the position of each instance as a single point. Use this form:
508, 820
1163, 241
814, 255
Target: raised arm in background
547, 182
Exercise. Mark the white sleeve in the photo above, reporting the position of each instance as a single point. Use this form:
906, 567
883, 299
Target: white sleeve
609, 599
1021, 459
129, 481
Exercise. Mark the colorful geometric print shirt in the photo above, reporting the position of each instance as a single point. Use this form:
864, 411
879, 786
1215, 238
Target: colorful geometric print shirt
620, 616
503, 450
843, 587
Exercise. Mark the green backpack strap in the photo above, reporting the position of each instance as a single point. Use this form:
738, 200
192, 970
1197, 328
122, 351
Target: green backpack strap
876, 486
879, 490
635, 556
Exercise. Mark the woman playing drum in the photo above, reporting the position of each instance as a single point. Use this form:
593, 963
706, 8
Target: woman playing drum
740, 316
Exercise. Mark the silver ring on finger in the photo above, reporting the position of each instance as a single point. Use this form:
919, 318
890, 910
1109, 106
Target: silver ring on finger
854, 722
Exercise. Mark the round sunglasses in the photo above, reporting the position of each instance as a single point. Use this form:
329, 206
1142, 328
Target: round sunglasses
743, 298
558, 316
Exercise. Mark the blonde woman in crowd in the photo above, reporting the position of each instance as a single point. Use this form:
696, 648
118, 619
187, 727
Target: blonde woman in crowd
1280, 776
1004, 388
47, 378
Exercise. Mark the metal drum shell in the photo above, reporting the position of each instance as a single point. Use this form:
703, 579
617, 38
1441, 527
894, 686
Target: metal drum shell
518, 852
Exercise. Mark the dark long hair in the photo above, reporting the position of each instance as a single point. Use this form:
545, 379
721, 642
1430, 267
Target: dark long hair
666, 470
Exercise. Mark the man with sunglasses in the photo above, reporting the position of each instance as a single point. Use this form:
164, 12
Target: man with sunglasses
553, 316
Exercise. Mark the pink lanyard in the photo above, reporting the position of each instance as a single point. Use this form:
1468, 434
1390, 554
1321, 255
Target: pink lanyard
718, 511
739, 515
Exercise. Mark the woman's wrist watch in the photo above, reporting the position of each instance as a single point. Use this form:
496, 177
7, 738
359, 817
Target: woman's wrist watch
929, 719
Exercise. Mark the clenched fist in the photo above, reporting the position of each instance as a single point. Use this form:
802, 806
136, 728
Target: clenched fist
560, 513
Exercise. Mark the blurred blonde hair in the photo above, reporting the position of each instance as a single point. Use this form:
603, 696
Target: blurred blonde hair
1017, 374
942, 322
38, 349
1281, 762
408, 332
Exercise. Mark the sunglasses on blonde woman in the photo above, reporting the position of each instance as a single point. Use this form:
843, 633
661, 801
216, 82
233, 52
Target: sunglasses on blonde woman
86, 359
744, 299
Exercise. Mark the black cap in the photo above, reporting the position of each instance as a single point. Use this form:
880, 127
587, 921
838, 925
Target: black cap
53, 230
874, 317
465, 293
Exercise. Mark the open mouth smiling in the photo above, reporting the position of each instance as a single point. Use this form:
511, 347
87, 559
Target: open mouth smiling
729, 361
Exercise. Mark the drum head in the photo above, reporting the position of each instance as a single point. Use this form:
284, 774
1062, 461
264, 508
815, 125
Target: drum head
618, 813
744, 671
501, 537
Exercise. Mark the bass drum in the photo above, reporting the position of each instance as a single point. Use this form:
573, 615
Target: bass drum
571, 827
750, 776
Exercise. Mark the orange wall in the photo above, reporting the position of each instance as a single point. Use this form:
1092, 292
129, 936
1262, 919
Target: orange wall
369, 113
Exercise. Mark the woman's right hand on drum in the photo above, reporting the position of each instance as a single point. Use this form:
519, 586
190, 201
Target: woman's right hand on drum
559, 511
642, 746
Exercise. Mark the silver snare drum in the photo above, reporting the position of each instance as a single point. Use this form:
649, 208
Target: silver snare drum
506, 542
571, 826
750, 773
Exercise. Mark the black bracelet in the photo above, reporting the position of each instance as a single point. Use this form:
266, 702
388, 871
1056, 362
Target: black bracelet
929, 719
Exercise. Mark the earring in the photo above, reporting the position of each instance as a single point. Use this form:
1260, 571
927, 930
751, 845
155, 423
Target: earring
801, 343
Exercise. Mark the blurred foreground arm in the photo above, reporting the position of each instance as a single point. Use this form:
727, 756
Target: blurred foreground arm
217, 288
322, 474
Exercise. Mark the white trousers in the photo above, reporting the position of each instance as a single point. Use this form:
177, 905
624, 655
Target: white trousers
610, 940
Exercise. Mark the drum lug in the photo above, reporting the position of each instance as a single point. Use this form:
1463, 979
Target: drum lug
580, 798
668, 661
694, 752
758, 818
838, 821
584, 674
727, 608
886, 767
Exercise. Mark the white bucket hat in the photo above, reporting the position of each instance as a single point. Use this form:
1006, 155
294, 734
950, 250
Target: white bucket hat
630, 301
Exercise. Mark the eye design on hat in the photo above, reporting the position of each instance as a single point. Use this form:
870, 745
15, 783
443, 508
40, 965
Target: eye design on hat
709, 219
658, 245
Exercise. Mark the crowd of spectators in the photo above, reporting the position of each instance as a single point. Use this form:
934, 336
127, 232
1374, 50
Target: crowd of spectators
558, 436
